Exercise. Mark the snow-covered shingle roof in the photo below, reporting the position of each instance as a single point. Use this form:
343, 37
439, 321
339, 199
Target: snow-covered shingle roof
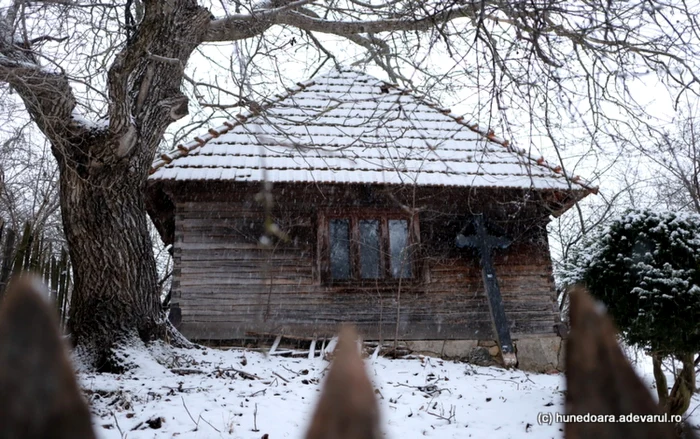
349, 127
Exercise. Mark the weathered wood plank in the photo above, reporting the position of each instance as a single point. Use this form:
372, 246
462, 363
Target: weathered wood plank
222, 273
369, 331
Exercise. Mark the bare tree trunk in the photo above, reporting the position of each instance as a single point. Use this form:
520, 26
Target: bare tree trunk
660, 378
103, 173
116, 294
679, 400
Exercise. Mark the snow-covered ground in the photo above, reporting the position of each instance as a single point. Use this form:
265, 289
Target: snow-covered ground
241, 394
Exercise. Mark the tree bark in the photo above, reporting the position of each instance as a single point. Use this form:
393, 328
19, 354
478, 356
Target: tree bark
660, 378
103, 175
115, 295
682, 391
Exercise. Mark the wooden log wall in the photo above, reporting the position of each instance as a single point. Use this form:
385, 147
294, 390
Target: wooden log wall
227, 284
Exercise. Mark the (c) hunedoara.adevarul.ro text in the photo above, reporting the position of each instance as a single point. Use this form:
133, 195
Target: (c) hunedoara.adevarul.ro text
550, 418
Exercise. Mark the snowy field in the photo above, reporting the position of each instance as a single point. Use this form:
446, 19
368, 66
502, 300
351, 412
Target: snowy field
241, 394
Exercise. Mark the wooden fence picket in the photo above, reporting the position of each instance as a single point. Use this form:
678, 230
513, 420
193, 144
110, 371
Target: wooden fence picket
34, 253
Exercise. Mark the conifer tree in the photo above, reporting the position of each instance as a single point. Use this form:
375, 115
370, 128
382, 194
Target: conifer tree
645, 268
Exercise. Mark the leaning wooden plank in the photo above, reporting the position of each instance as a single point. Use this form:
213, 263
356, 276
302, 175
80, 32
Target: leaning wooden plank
375, 354
330, 347
275, 344
312, 349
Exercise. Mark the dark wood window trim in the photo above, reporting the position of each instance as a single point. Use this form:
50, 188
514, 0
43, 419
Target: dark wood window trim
354, 216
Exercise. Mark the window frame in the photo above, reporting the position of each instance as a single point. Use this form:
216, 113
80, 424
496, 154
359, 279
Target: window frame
355, 215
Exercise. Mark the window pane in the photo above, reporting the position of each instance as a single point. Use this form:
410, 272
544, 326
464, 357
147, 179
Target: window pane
340, 248
398, 247
369, 249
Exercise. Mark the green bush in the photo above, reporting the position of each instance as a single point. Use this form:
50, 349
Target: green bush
645, 268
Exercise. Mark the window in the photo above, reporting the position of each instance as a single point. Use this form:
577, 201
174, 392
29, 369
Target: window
340, 249
366, 247
398, 243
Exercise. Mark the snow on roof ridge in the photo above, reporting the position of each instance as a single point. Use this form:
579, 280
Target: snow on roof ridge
241, 118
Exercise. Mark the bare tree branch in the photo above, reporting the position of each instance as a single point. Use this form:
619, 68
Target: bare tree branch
240, 27
47, 95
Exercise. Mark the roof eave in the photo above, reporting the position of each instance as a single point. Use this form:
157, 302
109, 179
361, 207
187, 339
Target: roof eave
570, 198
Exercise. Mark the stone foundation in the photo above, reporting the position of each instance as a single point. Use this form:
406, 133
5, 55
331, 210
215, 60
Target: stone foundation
535, 353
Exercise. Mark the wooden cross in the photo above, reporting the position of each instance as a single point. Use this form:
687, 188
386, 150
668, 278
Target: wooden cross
484, 243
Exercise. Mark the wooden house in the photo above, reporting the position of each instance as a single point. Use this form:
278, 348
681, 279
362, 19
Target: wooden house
349, 199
